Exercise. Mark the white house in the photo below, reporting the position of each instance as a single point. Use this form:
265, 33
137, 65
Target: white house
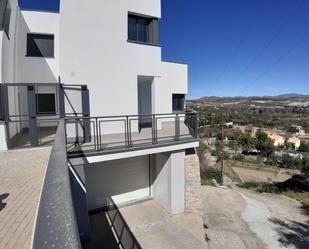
98, 64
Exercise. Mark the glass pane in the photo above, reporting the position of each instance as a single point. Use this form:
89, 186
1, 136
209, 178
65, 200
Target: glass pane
132, 29
46, 103
40, 45
143, 31
178, 102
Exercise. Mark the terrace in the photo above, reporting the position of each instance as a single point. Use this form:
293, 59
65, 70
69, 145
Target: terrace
115, 134
56, 223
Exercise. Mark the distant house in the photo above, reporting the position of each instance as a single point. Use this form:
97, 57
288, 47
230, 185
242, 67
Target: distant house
228, 125
294, 142
298, 130
277, 139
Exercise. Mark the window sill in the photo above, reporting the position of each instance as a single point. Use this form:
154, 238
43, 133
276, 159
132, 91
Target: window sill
42, 57
144, 43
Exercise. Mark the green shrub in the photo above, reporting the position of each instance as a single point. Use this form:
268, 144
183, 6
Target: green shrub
305, 166
239, 157
304, 147
249, 185
209, 174
268, 188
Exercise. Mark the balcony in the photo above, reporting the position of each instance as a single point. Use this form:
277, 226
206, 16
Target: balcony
112, 134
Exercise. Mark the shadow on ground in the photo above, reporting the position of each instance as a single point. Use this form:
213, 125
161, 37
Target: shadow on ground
305, 209
102, 235
292, 233
2, 198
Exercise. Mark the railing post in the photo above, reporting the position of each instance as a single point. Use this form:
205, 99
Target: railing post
96, 136
61, 101
153, 129
5, 112
32, 108
129, 132
196, 122
86, 113
177, 128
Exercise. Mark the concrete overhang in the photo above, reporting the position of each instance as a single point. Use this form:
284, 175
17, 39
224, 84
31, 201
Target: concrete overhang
84, 160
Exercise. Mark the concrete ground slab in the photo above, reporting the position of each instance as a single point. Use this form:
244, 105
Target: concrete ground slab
238, 218
21, 176
224, 239
154, 228
223, 208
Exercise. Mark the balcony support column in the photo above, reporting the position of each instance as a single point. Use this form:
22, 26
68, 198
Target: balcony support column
169, 181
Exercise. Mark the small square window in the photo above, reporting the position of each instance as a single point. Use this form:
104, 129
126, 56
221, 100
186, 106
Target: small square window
178, 102
46, 103
142, 29
39, 45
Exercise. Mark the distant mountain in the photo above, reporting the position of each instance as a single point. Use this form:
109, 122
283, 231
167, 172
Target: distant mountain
252, 98
293, 95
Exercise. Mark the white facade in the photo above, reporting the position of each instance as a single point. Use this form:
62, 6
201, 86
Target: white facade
102, 57
91, 47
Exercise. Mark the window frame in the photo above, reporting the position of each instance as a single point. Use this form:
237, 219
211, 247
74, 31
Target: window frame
42, 35
42, 113
182, 98
151, 29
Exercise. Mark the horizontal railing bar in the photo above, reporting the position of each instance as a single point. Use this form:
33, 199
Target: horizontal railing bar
86, 141
136, 115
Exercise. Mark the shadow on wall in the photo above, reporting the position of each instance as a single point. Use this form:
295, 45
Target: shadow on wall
122, 176
25, 69
2, 198
110, 230
33, 69
292, 233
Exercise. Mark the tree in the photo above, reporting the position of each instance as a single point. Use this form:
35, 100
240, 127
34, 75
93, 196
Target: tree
266, 148
304, 147
262, 136
246, 141
305, 166
264, 144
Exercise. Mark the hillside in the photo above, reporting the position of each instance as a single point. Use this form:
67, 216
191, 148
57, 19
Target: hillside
279, 101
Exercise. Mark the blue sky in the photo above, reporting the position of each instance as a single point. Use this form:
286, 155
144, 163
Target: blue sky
235, 47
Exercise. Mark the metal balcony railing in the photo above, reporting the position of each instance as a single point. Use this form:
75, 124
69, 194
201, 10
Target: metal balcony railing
86, 135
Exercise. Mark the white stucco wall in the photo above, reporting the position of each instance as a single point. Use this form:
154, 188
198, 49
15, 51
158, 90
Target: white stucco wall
8, 46
124, 181
36, 69
94, 51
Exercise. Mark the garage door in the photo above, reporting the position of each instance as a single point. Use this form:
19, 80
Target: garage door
124, 180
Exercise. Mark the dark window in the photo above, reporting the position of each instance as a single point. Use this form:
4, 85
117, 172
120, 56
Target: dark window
40, 45
6, 19
142, 29
178, 102
46, 103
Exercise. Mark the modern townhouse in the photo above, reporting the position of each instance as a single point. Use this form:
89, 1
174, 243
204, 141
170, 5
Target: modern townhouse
90, 80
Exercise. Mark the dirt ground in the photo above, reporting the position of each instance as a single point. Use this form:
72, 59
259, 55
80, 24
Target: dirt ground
247, 174
242, 219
